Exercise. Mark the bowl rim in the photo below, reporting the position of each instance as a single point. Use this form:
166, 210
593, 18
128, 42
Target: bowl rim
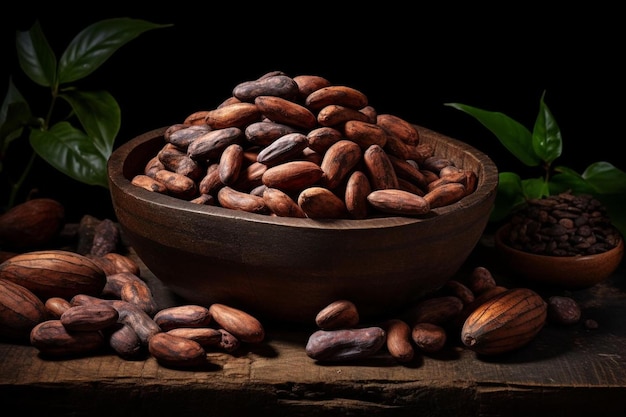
485, 190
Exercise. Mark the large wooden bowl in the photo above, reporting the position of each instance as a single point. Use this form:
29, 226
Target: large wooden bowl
287, 269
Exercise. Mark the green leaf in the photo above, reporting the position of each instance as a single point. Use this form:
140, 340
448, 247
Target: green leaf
14, 115
605, 178
535, 188
547, 141
99, 114
614, 204
513, 135
71, 152
508, 197
96, 43
568, 180
35, 56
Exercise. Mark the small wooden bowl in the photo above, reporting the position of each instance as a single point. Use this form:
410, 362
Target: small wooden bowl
568, 272
288, 269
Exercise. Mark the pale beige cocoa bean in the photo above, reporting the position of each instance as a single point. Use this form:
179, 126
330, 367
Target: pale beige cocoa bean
322, 203
148, 183
236, 115
178, 185
20, 310
240, 324
212, 144
237, 200
435, 310
336, 115
286, 112
281, 204
125, 342
52, 338
365, 134
186, 315
445, 194
231, 163
399, 340
140, 295
176, 352
399, 128
321, 138
345, 344
336, 94
292, 176
357, 189
205, 336
380, 170
264, 132
89, 317
272, 85
338, 161
340, 314
283, 149
55, 306
398, 202
429, 337
308, 84
480, 280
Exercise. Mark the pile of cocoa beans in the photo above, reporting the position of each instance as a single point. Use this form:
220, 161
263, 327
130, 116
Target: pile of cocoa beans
563, 225
302, 147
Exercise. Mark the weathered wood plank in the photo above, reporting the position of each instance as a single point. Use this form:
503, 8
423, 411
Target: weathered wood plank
565, 370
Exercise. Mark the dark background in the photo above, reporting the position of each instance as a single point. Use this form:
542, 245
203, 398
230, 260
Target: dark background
408, 61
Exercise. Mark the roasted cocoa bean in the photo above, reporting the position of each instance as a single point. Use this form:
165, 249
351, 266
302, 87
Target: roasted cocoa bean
345, 344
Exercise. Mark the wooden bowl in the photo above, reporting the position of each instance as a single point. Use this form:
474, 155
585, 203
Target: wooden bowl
568, 272
287, 269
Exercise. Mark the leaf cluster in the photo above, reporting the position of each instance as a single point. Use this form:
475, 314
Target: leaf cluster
540, 148
79, 143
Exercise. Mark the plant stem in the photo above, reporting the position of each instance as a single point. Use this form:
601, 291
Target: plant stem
16, 186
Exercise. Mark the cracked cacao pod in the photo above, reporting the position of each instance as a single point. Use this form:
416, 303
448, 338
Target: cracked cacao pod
505, 322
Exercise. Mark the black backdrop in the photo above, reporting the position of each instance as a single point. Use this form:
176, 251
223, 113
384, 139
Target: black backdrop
407, 60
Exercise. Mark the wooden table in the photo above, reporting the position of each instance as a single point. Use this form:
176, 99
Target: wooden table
565, 371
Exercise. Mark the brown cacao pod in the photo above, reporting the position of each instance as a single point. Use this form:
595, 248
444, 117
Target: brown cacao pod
20, 310
506, 322
31, 224
54, 273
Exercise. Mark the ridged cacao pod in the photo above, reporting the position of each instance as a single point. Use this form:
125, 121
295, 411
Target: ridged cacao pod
54, 273
20, 310
31, 224
505, 322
